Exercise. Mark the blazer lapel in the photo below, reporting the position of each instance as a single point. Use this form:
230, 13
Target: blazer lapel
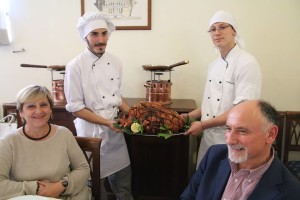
267, 188
222, 177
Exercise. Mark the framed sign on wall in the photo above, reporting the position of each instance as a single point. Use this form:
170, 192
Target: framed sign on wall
125, 14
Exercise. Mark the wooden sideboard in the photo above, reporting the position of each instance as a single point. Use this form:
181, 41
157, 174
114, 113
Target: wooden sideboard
161, 168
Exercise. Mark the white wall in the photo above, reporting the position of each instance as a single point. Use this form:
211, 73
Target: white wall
271, 29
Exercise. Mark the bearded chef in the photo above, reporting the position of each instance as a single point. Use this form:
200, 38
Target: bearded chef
233, 77
92, 89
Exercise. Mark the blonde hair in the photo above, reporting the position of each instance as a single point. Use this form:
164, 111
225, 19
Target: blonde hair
33, 92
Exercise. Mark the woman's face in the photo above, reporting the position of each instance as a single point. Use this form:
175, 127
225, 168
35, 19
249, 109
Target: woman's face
222, 35
36, 113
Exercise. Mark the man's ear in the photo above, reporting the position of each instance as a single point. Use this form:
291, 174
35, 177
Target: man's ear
272, 133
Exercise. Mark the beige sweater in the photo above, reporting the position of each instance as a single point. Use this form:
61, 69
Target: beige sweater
24, 161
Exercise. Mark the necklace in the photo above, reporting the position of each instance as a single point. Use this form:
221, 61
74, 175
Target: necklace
36, 138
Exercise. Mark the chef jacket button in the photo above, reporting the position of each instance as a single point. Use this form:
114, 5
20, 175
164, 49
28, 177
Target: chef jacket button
113, 95
214, 116
111, 79
220, 82
207, 114
209, 80
218, 99
93, 65
113, 106
103, 97
208, 97
108, 63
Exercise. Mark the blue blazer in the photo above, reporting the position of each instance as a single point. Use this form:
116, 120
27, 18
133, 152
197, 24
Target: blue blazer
210, 179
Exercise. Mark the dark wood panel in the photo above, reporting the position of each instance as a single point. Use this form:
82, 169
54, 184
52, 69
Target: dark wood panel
64, 118
160, 167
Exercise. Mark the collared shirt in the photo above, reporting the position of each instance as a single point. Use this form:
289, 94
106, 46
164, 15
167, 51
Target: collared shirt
242, 182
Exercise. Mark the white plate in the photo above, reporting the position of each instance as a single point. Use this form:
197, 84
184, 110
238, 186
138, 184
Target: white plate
31, 197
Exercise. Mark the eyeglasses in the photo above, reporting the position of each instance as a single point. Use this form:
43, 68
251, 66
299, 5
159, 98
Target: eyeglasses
220, 29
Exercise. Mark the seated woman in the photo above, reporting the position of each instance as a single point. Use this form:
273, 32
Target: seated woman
41, 158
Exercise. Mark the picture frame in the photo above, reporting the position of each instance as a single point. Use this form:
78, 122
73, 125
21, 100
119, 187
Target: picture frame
134, 17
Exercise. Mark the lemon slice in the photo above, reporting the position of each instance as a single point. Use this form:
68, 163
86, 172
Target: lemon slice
135, 127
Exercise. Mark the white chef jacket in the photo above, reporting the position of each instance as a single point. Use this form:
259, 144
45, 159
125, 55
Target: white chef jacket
94, 83
230, 81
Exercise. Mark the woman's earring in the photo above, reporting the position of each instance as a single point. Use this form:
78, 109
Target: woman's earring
23, 121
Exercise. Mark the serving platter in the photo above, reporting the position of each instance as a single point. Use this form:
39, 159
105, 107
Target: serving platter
163, 135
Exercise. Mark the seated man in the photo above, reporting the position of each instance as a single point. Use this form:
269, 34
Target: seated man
246, 168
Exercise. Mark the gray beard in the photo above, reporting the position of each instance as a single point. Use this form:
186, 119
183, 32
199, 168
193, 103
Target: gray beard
237, 159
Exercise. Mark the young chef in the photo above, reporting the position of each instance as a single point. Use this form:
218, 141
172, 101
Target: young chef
92, 89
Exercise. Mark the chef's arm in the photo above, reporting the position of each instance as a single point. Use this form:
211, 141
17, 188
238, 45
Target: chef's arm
91, 117
195, 114
124, 107
197, 127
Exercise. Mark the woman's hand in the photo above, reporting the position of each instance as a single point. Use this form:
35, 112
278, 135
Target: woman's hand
50, 189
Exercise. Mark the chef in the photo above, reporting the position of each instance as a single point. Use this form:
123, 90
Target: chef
92, 89
233, 77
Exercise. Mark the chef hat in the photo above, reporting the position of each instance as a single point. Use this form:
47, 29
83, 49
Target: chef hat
223, 16
94, 20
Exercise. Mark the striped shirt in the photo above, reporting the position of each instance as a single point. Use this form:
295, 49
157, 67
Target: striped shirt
242, 182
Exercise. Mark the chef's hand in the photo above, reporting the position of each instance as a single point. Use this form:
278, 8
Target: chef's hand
184, 115
110, 124
195, 129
